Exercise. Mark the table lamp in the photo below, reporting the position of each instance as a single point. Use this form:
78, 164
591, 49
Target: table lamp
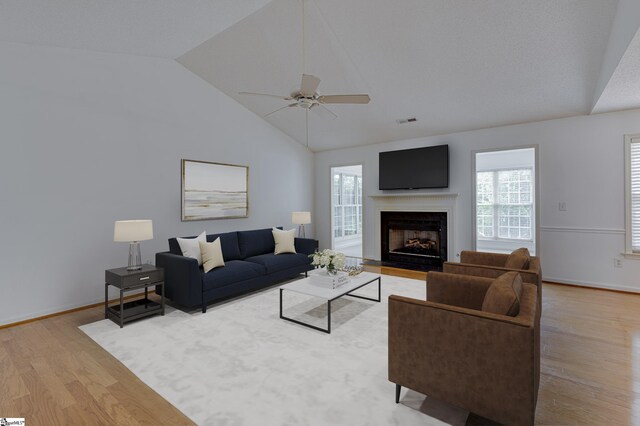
133, 231
301, 219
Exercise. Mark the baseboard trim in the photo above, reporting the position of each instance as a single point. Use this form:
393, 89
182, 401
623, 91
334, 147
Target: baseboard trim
591, 285
69, 311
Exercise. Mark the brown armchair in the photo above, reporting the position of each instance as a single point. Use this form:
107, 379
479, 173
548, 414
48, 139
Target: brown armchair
492, 265
449, 349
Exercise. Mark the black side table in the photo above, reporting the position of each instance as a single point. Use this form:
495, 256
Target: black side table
125, 280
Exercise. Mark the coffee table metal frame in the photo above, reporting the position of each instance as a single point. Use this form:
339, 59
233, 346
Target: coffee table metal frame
328, 329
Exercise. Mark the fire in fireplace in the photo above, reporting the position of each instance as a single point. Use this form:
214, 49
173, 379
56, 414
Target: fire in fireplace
414, 242
414, 238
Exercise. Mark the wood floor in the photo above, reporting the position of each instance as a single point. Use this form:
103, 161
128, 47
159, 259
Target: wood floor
52, 373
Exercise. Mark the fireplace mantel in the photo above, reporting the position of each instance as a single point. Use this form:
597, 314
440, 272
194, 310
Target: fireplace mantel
407, 197
416, 195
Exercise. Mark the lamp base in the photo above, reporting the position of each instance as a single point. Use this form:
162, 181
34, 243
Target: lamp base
135, 259
301, 231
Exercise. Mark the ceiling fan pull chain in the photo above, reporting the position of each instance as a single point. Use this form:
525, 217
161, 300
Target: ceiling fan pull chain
307, 119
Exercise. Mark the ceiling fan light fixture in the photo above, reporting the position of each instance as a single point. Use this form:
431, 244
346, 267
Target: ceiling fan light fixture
306, 102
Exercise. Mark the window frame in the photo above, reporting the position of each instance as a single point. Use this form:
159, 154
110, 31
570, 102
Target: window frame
628, 141
496, 205
357, 206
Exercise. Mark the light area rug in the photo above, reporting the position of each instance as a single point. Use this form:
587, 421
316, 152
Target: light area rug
240, 364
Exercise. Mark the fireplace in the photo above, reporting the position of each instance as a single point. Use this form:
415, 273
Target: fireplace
414, 239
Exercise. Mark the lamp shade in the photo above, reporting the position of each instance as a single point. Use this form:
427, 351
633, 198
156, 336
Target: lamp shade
133, 230
300, 218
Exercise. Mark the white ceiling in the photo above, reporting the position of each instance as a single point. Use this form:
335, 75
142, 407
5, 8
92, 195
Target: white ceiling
164, 28
623, 89
456, 65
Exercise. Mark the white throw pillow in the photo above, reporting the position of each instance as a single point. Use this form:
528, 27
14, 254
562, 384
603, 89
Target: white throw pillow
211, 255
191, 246
285, 241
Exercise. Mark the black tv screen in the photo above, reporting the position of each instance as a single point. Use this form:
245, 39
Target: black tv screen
414, 168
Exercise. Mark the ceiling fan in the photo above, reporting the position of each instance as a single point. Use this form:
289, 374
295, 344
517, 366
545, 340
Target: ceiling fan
307, 96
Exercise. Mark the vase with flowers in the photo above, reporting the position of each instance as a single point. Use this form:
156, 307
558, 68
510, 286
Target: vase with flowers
330, 259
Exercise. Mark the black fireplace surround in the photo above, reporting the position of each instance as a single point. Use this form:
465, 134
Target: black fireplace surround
414, 239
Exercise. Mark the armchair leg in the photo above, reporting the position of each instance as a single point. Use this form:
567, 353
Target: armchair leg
204, 308
398, 387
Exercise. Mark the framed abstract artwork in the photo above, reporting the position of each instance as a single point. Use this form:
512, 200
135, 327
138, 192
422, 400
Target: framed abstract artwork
214, 190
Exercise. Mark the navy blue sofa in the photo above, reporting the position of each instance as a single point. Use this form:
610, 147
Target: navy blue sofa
249, 264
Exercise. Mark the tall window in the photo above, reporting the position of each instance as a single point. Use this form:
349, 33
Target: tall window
632, 172
347, 205
504, 204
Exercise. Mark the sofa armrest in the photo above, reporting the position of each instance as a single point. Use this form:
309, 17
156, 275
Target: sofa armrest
182, 279
458, 290
483, 258
469, 358
306, 245
485, 271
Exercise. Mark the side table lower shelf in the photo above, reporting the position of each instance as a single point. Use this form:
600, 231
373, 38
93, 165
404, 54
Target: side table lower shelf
133, 310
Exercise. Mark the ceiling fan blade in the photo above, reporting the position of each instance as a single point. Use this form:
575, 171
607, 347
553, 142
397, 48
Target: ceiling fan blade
323, 111
286, 106
344, 99
286, 98
309, 85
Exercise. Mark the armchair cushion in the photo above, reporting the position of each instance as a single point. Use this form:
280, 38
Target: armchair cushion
503, 296
518, 259
464, 291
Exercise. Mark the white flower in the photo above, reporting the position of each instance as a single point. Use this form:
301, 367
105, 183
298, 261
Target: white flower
328, 257
339, 260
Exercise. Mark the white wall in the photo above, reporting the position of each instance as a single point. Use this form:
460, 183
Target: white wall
89, 138
581, 163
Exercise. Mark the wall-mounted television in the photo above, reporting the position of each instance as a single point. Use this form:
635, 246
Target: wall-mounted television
426, 167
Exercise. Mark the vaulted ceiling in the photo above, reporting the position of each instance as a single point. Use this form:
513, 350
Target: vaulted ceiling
455, 65
164, 28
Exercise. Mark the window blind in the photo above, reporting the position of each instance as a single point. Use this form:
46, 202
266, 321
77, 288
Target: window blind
634, 186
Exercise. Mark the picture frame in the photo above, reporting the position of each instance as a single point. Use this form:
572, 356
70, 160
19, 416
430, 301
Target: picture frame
214, 190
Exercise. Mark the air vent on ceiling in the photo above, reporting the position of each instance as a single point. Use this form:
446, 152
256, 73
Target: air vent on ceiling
406, 120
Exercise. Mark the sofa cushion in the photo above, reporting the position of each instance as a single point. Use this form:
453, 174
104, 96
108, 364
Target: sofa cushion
190, 247
284, 240
211, 255
275, 263
253, 243
503, 295
228, 242
233, 272
518, 259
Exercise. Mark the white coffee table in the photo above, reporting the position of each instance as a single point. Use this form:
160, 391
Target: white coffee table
304, 286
